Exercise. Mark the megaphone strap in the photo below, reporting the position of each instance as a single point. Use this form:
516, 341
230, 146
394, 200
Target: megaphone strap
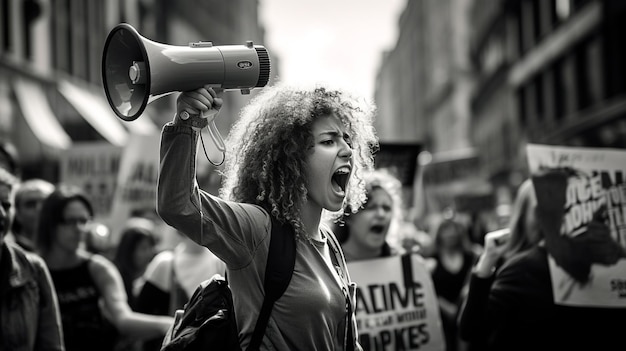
198, 122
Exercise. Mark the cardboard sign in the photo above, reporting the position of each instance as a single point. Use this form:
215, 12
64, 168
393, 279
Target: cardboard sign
93, 167
397, 306
136, 180
581, 194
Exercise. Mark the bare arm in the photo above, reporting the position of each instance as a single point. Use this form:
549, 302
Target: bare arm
116, 308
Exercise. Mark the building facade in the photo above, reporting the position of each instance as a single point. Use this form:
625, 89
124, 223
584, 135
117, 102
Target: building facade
494, 75
549, 72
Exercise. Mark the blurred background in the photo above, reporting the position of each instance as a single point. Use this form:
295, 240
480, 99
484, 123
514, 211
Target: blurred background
462, 86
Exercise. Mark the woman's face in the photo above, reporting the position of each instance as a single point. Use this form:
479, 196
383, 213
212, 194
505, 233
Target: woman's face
450, 236
329, 164
27, 208
73, 227
144, 252
369, 226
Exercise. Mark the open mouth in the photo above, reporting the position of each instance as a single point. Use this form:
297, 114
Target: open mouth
377, 228
340, 179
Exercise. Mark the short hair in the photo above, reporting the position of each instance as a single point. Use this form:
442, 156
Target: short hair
33, 184
270, 142
51, 214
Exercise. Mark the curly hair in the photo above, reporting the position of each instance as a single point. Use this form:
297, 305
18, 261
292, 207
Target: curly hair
270, 142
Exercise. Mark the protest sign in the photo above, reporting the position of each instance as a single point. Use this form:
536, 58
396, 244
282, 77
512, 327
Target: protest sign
136, 181
93, 167
397, 307
581, 195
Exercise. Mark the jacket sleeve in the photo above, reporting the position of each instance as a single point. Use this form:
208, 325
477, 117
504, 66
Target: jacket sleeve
232, 231
473, 316
49, 328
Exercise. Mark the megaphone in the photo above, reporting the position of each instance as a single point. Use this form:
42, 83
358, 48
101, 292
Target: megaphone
136, 69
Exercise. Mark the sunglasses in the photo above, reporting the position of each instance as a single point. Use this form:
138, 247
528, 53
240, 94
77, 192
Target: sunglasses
80, 221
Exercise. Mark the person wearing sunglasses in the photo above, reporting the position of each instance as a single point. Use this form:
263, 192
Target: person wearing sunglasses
92, 298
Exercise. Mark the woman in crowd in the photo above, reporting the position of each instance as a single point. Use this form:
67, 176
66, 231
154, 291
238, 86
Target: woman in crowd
93, 302
450, 267
133, 254
293, 154
364, 234
371, 233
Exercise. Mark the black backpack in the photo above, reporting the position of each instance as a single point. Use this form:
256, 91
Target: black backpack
208, 320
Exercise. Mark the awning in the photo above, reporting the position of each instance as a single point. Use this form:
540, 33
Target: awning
39, 116
96, 111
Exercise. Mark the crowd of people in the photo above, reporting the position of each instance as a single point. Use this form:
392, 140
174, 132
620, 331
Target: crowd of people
301, 157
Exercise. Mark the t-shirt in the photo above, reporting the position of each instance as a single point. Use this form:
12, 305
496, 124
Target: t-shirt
84, 326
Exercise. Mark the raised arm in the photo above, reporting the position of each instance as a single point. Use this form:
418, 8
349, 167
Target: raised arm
230, 230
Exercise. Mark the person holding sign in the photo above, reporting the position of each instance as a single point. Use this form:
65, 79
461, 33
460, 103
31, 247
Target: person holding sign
294, 154
510, 303
396, 300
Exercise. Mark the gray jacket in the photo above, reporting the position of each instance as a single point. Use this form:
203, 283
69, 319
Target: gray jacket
29, 310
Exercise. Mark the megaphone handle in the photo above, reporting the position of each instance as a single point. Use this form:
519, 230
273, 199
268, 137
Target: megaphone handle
216, 136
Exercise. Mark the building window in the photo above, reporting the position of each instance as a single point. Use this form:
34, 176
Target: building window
62, 58
581, 67
521, 106
31, 10
563, 9
539, 102
559, 90
595, 70
5, 20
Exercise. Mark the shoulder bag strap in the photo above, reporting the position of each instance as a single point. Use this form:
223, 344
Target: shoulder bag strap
281, 260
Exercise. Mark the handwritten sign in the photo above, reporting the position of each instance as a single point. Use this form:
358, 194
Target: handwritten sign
394, 313
93, 167
136, 180
593, 224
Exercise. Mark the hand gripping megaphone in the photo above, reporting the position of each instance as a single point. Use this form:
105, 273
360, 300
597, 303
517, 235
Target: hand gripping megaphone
136, 70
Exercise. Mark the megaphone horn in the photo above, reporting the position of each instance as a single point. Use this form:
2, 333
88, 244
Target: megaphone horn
135, 68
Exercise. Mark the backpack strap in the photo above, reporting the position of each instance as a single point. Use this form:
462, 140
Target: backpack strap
281, 260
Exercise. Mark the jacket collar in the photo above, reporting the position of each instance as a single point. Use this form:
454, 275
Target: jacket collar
12, 274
